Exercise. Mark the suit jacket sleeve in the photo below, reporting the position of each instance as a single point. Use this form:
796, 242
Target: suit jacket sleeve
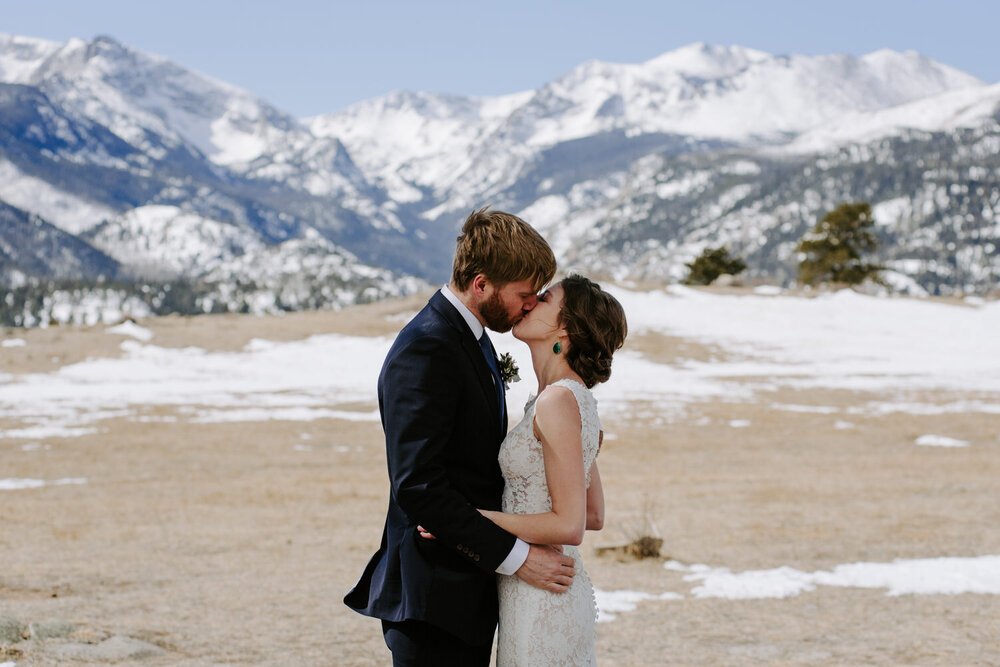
421, 396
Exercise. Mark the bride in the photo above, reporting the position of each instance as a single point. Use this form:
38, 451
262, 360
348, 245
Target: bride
552, 488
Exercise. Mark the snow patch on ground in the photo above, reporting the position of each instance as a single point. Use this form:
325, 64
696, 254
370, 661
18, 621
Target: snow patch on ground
923, 576
841, 340
18, 483
931, 440
612, 603
299, 380
131, 329
281, 414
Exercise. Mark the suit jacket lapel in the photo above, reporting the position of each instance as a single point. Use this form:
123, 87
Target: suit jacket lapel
471, 348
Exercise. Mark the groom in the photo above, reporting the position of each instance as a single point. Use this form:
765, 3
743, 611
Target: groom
442, 404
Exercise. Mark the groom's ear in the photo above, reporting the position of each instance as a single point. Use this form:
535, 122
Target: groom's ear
479, 284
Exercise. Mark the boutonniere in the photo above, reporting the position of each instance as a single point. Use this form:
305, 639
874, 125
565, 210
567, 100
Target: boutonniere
508, 370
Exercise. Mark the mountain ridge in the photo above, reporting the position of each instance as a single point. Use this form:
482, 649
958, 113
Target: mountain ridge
151, 163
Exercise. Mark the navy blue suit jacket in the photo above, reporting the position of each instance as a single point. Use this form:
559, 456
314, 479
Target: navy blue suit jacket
442, 434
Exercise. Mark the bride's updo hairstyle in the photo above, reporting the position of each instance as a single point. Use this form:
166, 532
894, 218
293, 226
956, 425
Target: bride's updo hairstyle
595, 323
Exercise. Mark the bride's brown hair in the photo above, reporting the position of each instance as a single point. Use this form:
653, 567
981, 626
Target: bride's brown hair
596, 326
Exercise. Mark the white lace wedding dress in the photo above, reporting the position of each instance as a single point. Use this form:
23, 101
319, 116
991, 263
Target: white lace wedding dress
539, 628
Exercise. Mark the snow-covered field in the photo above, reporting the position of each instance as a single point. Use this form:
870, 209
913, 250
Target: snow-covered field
901, 355
843, 340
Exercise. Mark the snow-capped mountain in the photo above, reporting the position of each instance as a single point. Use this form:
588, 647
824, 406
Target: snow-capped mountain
96, 135
715, 95
931, 169
142, 169
31, 246
726, 93
167, 242
136, 95
585, 156
414, 143
948, 111
935, 196
157, 106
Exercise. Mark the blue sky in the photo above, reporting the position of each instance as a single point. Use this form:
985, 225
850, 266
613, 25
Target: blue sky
310, 57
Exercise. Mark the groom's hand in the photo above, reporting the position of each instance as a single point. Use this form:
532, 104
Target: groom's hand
546, 567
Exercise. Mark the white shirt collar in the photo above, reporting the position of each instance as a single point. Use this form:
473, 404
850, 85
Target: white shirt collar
474, 324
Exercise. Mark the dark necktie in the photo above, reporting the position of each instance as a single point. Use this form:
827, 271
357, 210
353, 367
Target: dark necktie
491, 361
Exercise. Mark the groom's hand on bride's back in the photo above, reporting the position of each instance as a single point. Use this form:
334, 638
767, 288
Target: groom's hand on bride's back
548, 568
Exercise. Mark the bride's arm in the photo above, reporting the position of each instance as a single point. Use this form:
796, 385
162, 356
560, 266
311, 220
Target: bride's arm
557, 423
595, 500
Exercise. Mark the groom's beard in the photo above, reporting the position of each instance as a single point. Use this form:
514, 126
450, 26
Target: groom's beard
495, 314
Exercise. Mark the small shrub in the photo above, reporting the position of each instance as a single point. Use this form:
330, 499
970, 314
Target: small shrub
645, 546
712, 263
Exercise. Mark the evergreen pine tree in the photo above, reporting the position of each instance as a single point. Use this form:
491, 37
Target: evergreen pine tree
712, 263
836, 245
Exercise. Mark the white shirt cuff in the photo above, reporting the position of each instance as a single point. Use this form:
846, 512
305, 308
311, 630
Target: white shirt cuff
515, 559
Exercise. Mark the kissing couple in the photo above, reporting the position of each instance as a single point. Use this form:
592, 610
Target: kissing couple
483, 523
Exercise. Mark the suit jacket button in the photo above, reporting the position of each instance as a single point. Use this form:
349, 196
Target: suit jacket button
460, 547
476, 558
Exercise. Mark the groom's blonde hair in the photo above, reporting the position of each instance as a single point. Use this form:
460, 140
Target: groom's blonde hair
502, 247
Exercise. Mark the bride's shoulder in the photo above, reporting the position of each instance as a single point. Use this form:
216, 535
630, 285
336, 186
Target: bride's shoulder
555, 392
557, 402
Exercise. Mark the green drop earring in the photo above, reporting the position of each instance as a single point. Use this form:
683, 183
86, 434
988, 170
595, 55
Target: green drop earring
557, 348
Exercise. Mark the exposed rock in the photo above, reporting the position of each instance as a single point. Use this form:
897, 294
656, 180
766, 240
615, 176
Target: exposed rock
10, 630
117, 647
50, 629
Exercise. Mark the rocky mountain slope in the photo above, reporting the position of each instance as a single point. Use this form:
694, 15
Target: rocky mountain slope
128, 167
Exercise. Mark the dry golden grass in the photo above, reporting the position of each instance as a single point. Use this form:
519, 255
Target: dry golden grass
224, 543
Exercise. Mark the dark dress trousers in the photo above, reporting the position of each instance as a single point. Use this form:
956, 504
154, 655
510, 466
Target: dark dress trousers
441, 419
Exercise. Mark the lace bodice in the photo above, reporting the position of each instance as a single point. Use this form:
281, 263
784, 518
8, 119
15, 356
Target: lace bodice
539, 628
522, 460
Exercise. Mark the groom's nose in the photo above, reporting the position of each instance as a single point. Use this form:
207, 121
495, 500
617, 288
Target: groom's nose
530, 303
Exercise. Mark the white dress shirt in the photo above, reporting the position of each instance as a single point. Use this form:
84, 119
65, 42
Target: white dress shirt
515, 559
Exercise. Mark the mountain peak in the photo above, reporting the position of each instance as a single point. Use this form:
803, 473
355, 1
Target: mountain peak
104, 46
707, 61
915, 64
106, 39
141, 95
21, 56
9, 41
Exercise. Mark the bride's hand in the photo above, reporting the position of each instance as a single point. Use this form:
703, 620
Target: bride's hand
424, 534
